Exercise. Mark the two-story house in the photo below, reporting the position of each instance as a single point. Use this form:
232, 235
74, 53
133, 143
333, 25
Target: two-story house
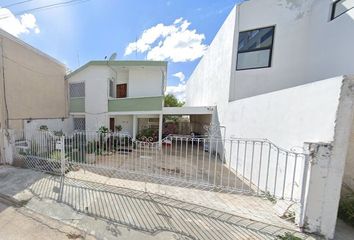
124, 96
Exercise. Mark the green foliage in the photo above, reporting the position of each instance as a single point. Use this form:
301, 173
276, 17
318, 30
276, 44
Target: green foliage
172, 101
288, 236
147, 134
118, 128
43, 128
270, 197
346, 209
103, 130
59, 133
55, 155
75, 147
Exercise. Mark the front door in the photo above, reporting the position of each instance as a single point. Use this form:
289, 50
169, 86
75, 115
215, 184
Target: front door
122, 90
111, 124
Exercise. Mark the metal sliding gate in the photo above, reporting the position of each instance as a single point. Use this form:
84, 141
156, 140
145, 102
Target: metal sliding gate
248, 166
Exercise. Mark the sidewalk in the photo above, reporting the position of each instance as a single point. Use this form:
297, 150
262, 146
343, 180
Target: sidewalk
120, 211
21, 223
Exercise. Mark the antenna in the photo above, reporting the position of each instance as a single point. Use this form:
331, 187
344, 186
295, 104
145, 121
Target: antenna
113, 57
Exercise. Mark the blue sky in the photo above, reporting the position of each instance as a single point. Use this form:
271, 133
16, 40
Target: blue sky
180, 30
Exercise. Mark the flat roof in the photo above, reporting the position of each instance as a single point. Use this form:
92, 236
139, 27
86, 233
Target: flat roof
120, 63
202, 110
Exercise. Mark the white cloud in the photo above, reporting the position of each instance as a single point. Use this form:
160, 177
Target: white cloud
180, 76
175, 42
17, 25
179, 91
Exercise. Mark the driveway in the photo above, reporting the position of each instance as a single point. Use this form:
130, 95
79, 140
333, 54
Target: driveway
119, 209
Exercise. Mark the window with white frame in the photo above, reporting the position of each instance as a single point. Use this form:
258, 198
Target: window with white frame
255, 48
340, 7
79, 123
77, 89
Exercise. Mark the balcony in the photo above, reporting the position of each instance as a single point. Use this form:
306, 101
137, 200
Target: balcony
77, 105
135, 104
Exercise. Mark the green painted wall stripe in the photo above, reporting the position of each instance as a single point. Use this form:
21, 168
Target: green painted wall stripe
77, 105
120, 63
135, 104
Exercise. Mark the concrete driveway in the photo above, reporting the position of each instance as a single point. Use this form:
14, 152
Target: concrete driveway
111, 210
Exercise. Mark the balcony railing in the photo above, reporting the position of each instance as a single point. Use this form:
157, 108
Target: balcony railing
135, 104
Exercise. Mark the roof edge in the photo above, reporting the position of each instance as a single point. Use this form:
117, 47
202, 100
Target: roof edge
123, 63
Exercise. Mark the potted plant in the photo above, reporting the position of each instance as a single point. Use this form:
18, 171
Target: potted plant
118, 128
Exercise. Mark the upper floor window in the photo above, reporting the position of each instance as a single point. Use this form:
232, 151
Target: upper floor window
111, 89
77, 89
255, 48
121, 90
340, 7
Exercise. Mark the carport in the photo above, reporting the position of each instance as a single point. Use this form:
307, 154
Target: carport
186, 120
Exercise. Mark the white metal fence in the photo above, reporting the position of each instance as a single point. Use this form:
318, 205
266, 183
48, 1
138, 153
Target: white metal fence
249, 166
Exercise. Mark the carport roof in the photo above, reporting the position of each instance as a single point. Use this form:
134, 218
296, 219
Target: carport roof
205, 110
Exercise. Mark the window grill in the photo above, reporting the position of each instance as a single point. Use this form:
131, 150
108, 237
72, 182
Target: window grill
79, 124
77, 89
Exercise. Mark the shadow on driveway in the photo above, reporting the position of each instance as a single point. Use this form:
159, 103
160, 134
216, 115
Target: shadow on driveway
152, 213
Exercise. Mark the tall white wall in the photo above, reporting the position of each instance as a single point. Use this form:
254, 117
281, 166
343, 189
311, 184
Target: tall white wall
308, 46
296, 100
209, 83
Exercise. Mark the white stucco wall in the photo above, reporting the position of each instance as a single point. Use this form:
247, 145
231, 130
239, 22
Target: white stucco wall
126, 121
96, 94
307, 45
348, 178
145, 82
294, 101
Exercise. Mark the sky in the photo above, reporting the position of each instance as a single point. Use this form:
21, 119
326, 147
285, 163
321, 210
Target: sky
177, 31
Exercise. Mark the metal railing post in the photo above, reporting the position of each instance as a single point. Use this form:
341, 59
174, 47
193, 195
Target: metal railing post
62, 155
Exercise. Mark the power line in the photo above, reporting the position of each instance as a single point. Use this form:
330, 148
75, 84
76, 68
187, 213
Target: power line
46, 7
15, 4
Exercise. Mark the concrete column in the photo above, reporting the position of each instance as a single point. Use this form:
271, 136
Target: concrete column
327, 163
160, 128
135, 126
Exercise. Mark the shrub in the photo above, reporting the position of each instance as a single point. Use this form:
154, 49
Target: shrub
118, 128
148, 135
288, 236
346, 209
43, 128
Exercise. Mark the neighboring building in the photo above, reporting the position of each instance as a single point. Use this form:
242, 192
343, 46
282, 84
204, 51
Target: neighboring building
32, 85
117, 93
274, 70
124, 96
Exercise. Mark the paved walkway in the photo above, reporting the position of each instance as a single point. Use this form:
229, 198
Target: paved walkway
108, 209
21, 223
343, 231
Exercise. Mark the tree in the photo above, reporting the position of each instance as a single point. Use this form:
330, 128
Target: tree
172, 101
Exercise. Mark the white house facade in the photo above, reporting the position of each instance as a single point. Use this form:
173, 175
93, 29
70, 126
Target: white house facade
120, 95
275, 70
